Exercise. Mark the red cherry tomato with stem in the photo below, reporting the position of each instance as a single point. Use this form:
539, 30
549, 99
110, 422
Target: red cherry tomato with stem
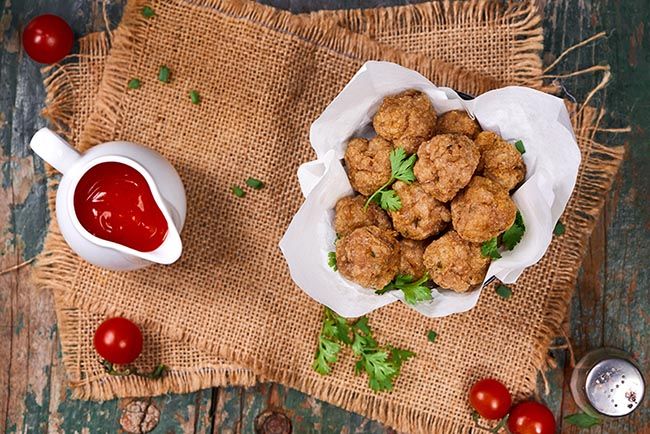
490, 398
530, 417
48, 39
118, 340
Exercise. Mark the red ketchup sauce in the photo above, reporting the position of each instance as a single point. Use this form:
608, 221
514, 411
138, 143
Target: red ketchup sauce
113, 202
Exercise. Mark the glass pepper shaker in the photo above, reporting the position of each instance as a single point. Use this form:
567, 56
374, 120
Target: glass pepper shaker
607, 383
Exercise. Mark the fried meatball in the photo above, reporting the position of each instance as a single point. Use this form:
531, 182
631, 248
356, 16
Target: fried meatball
454, 263
407, 119
411, 263
500, 161
445, 165
369, 256
350, 214
368, 164
457, 122
482, 211
421, 215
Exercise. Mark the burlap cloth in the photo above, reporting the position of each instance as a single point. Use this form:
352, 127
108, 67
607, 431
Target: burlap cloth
230, 295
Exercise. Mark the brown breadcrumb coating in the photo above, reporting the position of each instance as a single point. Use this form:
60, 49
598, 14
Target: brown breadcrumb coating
457, 122
411, 263
406, 119
368, 164
350, 214
421, 215
500, 161
454, 263
482, 211
369, 256
445, 165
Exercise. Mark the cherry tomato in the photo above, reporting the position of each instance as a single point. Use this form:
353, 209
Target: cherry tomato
48, 38
530, 417
118, 340
490, 398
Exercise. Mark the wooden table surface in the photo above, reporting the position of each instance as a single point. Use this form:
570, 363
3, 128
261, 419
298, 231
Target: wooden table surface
610, 306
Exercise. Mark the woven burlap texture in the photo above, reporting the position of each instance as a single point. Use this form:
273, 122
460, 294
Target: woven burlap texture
231, 294
72, 89
71, 92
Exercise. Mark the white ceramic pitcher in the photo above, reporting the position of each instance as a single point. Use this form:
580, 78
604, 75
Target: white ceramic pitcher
163, 180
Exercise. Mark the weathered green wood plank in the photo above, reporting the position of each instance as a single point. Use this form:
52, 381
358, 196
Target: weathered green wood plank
611, 301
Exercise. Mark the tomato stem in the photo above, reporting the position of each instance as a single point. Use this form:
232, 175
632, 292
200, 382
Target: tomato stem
156, 373
496, 429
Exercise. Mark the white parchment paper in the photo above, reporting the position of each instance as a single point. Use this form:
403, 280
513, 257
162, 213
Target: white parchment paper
552, 158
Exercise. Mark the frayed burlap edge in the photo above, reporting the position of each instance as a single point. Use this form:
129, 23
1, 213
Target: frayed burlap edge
522, 18
597, 176
60, 99
328, 35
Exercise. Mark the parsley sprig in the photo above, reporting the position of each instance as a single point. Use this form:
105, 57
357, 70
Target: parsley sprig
331, 260
508, 240
582, 420
381, 364
401, 168
414, 291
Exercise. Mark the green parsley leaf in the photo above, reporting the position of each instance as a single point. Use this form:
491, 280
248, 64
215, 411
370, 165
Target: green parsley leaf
503, 291
331, 260
148, 12
490, 249
582, 420
195, 97
520, 147
163, 74
559, 229
255, 184
381, 364
431, 335
326, 354
414, 292
134, 83
401, 166
513, 235
389, 200
237, 191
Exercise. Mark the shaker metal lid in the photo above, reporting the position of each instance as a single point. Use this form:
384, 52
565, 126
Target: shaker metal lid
615, 387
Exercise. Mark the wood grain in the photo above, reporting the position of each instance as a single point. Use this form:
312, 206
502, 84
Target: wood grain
609, 307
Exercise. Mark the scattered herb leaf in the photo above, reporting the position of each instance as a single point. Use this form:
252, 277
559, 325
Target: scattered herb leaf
520, 147
381, 364
389, 200
237, 191
331, 260
255, 184
134, 83
582, 420
490, 249
401, 167
513, 235
559, 228
163, 74
503, 291
431, 335
414, 291
148, 12
195, 97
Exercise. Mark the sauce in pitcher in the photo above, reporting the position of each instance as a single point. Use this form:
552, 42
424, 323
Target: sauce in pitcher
113, 202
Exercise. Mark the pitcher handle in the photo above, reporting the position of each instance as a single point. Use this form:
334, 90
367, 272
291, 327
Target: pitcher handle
53, 149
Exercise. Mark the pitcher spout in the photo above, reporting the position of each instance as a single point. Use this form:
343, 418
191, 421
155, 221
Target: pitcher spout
170, 249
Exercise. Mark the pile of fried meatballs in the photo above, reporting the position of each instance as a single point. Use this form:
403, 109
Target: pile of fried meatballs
459, 200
